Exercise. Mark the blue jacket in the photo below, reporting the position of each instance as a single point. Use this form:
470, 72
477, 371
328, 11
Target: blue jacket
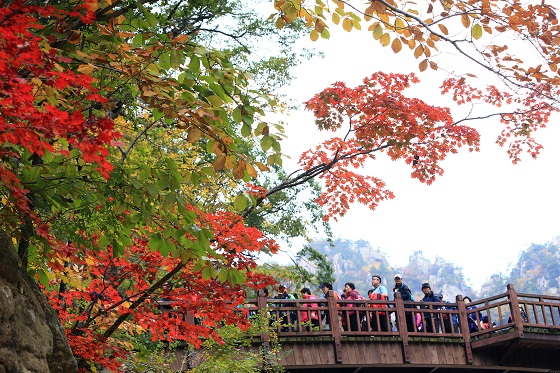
430, 297
471, 317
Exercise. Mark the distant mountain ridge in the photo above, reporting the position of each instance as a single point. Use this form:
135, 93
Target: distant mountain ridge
537, 270
357, 261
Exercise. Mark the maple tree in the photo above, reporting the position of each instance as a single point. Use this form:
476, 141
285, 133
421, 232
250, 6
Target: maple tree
124, 165
514, 42
133, 151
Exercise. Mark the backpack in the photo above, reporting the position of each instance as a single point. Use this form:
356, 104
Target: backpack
407, 290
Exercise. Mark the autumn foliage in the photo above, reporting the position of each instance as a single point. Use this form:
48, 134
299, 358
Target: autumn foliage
130, 153
103, 292
376, 117
44, 104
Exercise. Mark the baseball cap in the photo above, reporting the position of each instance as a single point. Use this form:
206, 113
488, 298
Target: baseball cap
398, 275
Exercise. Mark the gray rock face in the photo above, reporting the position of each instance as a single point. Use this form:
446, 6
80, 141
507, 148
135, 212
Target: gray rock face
32, 339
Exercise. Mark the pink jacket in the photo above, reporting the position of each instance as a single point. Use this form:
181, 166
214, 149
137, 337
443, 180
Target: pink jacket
305, 314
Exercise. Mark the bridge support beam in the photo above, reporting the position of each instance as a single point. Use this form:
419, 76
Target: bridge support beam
401, 325
464, 325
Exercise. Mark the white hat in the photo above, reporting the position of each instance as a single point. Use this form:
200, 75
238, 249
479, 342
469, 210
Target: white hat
398, 275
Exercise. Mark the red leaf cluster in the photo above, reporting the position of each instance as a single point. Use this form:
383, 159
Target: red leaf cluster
45, 106
377, 117
100, 289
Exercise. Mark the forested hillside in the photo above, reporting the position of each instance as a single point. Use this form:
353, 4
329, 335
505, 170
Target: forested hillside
537, 270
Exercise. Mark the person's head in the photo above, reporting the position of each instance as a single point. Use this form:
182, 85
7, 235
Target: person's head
398, 279
349, 286
426, 288
305, 293
326, 286
467, 300
281, 288
375, 280
370, 292
440, 296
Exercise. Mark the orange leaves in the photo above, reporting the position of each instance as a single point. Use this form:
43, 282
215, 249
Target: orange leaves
396, 45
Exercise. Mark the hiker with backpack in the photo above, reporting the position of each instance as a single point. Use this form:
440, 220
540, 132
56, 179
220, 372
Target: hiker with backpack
378, 292
406, 295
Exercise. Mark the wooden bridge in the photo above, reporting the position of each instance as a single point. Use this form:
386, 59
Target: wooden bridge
523, 334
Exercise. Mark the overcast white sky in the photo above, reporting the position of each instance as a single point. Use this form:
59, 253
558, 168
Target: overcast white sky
479, 215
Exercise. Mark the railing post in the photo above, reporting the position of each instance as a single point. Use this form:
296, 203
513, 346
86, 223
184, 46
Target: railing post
464, 326
401, 326
515, 312
334, 325
262, 307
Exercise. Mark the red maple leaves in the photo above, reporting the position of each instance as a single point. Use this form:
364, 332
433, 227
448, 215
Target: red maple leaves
376, 117
44, 105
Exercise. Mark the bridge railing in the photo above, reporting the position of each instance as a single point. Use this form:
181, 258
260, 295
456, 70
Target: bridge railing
398, 318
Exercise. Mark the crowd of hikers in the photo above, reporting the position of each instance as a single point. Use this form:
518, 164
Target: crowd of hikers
383, 319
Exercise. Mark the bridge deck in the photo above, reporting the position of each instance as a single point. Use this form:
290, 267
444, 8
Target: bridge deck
523, 335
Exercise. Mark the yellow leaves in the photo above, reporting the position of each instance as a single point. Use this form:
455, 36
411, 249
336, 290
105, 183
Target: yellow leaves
411, 43
476, 31
262, 166
396, 45
399, 25
250, 170
385, 39
377, 31
347, 24
423, 65
280, 23
314, 35
335, 18
443, 29
230, 162
86, 69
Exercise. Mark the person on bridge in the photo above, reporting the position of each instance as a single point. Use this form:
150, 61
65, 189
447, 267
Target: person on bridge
472, 317
310, 319
325, 287
283, 315
406, 295
378, 292
352, 294
433, 322
450, 322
